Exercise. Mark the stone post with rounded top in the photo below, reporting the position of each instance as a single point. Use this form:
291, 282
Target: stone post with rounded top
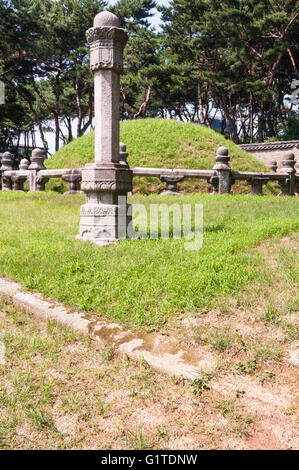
273, 166
223, 171
36, 183
107, 181
19, 177
24, 164
287, 185
123, 154
6, 165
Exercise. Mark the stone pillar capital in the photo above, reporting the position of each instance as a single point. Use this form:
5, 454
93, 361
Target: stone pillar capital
107, 41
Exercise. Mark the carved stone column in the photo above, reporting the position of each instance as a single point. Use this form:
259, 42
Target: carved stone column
103, 218
7, 164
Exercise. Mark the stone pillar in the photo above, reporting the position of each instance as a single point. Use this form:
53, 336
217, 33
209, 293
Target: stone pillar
37, 164
103, 218
288, 167
223, 171
7, 165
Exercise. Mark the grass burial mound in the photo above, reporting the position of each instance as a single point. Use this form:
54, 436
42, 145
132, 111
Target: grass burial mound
159, 143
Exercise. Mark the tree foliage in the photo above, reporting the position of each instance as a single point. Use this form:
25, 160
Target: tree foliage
233, 60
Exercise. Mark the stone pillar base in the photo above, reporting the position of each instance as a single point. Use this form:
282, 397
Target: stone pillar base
104, 218
96, 241
104, 224
171, 193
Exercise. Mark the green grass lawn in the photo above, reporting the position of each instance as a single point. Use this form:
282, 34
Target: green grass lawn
139, 282
160, 143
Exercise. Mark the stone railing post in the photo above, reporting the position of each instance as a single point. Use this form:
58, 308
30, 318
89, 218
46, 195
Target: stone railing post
123, 154
287, 186
24, 164
19, 180
223, 171
104, 216
273, 166
214, 182
36, 183
7, 165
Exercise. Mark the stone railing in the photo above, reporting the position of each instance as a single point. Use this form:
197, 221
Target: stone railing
221, 178
36, 174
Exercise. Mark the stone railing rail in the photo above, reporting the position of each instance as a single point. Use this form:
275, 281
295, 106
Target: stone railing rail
221, 177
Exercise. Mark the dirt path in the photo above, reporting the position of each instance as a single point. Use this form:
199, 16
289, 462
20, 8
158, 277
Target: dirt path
58, 392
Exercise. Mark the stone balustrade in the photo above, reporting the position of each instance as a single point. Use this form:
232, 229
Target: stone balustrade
221, 178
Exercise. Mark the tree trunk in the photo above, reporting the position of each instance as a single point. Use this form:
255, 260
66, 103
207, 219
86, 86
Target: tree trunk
90, 111
57, 131
57, 112
261, 124
251, 117
142, 109
79, 107
200, 105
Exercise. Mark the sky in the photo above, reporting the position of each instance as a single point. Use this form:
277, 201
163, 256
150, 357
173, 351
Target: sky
155, 21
